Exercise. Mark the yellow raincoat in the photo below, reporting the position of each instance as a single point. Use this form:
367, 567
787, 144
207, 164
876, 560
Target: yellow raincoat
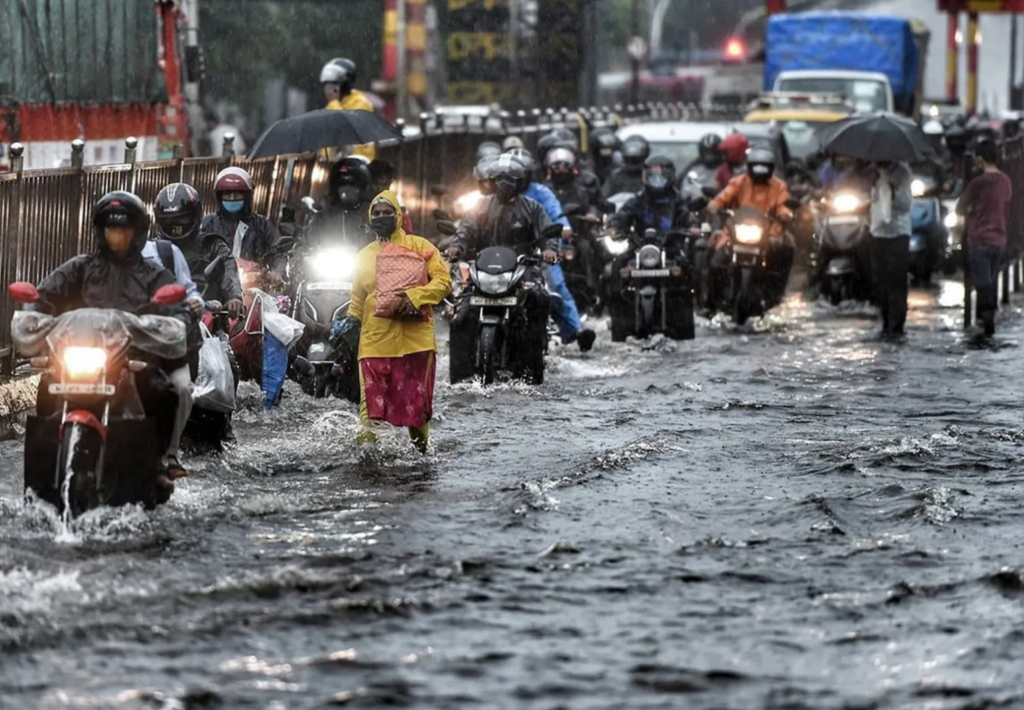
396, 337
356, 100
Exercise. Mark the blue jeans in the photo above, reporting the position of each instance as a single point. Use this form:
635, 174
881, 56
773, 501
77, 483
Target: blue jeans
567, 316
985, 261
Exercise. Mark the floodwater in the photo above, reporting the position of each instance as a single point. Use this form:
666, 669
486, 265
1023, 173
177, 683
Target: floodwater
796, 516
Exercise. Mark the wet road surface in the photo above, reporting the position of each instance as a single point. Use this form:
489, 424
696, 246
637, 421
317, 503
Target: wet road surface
797, 518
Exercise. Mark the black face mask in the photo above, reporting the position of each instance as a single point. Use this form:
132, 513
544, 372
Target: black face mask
349, 196
506, 188
384, 226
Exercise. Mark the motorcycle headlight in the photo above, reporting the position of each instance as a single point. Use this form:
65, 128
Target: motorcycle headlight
336, 264
748, 233
952, 220
468, 202
493, 284
846, 202
917, 187
248, 279
649, 256
82, 362
615, 247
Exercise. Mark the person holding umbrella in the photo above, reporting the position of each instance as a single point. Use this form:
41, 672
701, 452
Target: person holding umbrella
886, 142
338, 78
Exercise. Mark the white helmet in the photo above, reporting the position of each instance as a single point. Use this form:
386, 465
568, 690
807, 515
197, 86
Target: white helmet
933, 127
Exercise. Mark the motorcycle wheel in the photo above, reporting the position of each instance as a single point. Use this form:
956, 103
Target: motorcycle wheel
679, 305
488, 354
743, 306
321, 383
81, 455
838, 291
622, 321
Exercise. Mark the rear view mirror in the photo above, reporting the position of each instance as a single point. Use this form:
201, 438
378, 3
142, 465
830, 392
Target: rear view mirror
169, 295
213, 267
447, 228
23, 292
441, 215
698, 203
552, 231
709, 192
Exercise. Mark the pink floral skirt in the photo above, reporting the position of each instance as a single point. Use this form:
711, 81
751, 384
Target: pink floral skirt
399, 390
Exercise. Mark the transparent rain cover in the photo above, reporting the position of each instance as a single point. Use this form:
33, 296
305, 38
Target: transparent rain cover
34, 333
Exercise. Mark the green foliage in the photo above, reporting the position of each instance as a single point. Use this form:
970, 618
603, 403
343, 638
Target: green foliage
247, 42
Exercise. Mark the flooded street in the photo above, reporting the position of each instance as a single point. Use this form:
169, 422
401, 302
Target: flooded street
798, 518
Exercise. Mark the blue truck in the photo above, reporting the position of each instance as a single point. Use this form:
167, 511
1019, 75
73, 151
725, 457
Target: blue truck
875, 61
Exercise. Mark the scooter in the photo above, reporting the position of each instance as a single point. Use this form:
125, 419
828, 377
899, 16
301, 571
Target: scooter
929, 239
843, 229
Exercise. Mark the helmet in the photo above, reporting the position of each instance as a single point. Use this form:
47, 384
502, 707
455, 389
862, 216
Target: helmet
525, 157
659, 174
234, 179
761, 164
350, 180
339, 71
487, 149
561, 164
933, 127
179, 211
708, 148
512, 142
635, 150
482, 170
734, 148
121, 209
508, 176
956, 138
603, 142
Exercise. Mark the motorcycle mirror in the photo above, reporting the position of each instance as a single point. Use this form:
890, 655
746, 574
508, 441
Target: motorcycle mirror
169, 295
438, 190
441, 215
447, 228
552, 231
709, 191
23, 292
698, 203
213, 267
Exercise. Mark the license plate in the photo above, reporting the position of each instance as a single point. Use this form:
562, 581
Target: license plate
329, 286
844, 220
650, 273
753, 251
484, 301
80, 388
318, 348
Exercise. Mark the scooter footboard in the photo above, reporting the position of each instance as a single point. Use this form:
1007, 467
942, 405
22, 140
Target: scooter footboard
132, 457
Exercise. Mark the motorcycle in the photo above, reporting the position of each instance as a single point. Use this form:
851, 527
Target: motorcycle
505, 340
578, 258
929, 239
98, 447
656, 295
843, 230
749, 288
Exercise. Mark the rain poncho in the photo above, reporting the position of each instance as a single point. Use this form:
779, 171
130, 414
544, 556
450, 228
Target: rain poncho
356, 100
253, 238
390, 337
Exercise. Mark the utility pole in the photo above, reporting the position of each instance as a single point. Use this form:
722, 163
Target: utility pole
636, 53
1013, 102
401, 100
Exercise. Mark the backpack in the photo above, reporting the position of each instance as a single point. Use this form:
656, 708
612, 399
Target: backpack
166, 252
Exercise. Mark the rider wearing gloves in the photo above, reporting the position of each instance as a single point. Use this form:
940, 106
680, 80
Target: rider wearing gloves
179, 215
338, 77
506, 218
761, 189
343, 218
630, 177
249, 235
570, 325
117, 276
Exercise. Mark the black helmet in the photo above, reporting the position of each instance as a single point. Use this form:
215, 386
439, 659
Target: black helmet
659, 174
956, 138
508, 175
121, 209
603, 142
350, 181
487, 149
708, 149
635, 150
179, 211
340, 71
760, 164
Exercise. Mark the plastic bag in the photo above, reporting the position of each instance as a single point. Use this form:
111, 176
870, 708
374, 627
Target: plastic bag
275, 368
398, 270
286, 330
214, 388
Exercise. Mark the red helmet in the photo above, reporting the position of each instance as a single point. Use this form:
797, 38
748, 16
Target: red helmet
734, 147
232, 179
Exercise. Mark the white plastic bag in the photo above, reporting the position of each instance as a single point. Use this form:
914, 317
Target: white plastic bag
214, 388
285, 329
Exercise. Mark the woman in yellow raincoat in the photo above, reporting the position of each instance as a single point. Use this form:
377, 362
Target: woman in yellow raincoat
398, 280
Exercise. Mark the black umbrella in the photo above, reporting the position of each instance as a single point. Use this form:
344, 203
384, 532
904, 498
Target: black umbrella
325, 128
876, 138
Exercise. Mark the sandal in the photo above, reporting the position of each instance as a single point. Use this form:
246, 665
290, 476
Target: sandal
174, 468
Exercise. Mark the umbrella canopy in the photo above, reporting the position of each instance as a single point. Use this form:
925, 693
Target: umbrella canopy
876, 138
324, 128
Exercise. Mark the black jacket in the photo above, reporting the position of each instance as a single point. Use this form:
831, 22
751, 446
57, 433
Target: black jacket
624, 180
261, 242
336, 226
102, 280
199, 252
642, 212
518, 224
572, 192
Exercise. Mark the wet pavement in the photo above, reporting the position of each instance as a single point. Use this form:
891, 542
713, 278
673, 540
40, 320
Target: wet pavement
801, 517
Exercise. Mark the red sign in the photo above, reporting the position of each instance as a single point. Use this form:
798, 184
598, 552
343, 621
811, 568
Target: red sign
981, 5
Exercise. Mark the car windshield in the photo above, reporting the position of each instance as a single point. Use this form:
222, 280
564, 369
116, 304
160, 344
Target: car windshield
801, 137
866, 95
682, 154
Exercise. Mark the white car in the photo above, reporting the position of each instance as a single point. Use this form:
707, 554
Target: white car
678, 140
